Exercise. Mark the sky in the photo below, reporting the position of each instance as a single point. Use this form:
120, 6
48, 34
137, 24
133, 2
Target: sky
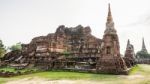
22, 20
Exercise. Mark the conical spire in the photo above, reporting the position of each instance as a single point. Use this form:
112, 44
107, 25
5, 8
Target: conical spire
128, 44
143, 46
109, 17
110, 24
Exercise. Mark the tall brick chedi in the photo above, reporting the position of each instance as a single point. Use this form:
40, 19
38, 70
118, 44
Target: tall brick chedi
110, 60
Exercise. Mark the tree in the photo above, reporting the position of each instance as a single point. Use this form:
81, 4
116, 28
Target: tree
142, 54
2, 49
17, 46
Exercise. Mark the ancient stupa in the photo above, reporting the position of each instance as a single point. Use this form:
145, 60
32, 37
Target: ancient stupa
110, 60
129, 56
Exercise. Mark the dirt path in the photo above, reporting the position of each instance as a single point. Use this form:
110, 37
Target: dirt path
133, 79
44, 81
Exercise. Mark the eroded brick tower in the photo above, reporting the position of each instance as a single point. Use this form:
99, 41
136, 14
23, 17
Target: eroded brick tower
110, 60
129, 56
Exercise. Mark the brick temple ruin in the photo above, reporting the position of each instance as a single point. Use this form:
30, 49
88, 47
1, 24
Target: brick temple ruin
110, 60
74, 48
130, 57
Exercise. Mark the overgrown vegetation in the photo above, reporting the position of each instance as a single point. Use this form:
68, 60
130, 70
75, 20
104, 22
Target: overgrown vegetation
66, 53
142, 54
10, 69
2, 49
16, 46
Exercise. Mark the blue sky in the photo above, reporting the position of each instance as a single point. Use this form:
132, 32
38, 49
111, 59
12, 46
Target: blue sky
22, 20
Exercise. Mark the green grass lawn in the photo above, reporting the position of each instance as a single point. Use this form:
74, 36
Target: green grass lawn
8, 69
142, 70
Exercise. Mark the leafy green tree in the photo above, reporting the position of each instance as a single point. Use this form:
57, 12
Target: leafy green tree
17, 46
142, 54
2, 49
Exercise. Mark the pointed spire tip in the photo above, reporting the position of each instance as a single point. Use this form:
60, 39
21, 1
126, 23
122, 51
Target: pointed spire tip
128, 42
143, 45
109, 17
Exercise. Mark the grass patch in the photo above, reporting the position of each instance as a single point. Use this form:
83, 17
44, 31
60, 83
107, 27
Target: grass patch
2, 80
141, 69
63, 75
72, 75
11, 69
8, 69
134, 69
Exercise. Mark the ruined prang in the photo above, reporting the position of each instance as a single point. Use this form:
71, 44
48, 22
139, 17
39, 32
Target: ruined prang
143, 57
110, 60
129, 56
66, 48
